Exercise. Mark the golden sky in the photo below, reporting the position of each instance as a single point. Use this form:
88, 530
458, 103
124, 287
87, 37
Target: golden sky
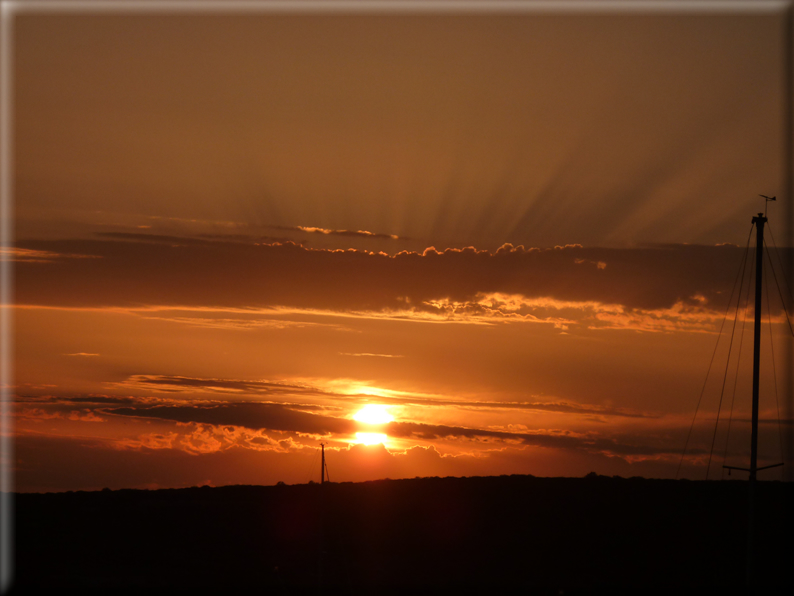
517, 232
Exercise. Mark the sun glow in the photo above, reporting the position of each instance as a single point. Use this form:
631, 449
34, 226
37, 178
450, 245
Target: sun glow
367, 390
370, 438
373, 414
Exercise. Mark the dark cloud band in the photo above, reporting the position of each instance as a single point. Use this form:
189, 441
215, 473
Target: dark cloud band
214, 274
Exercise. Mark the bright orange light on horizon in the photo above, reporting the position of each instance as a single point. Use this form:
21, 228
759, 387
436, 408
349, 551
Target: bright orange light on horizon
370, 438
373, 414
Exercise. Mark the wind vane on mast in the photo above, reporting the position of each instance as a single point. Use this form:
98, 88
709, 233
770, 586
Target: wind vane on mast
767, 202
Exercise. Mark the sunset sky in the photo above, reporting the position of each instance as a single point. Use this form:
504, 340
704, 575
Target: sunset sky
512, 234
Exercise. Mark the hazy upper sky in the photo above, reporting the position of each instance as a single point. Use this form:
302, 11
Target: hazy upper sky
224, 226
448, 130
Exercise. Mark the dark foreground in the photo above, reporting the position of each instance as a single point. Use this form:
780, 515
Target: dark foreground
499, 535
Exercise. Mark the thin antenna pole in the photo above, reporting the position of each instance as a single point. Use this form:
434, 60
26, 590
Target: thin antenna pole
322, 465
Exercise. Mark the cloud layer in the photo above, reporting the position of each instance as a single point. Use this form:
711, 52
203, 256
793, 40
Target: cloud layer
669, 280
217, 425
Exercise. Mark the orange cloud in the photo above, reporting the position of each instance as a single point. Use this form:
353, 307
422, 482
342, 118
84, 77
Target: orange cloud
327, 232
28, 255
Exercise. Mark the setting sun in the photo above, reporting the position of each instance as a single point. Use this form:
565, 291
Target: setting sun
370, 438
373, 414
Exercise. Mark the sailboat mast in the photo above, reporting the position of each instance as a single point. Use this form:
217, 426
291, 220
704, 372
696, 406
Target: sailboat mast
759, 266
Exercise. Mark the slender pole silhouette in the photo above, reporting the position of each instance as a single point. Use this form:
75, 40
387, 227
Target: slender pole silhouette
322, 553
322, 465
759, 267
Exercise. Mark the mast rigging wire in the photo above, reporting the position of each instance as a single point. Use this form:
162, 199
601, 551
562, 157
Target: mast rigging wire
312, 464
725, 375
782, 299
774, 369
779, 259
724, 318
736, 376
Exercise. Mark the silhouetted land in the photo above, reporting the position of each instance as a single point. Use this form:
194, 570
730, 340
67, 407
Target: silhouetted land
496, 535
